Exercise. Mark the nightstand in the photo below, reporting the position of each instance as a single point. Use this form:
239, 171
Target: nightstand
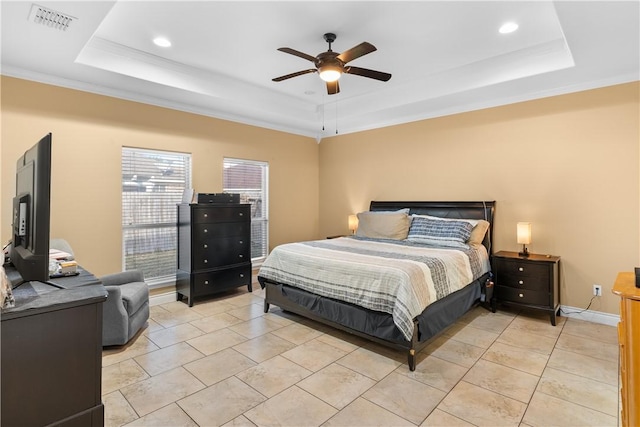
530, 282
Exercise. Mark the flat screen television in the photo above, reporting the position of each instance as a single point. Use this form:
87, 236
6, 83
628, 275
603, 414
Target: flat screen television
31, 213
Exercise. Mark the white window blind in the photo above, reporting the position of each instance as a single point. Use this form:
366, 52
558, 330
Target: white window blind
152, 185
250, 179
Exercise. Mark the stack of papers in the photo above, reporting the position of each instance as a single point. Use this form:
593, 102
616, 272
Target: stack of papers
61, 263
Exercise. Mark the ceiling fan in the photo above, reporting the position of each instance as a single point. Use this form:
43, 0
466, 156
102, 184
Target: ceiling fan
331, 65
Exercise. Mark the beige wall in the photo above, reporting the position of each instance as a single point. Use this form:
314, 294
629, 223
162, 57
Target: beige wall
88, 134
569, 164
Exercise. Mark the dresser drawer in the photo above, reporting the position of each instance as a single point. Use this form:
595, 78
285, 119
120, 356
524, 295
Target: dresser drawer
214, 281
223, 251
205, 233
523, 296
209, 214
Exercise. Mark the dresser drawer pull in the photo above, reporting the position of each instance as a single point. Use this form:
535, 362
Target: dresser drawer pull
241, 242
241, 275
520, 268
521, 295
521, 282
206, 215
206, 230
205, 246
241, 256
206, 261
206, 282
241, 213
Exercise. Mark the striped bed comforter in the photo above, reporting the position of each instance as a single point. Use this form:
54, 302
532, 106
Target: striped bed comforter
396, 277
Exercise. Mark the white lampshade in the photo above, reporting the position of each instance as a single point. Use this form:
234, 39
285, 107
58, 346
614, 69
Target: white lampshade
330, 73
524, 233
353, 223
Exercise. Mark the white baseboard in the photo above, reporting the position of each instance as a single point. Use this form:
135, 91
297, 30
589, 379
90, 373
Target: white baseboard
162, 298
590, 315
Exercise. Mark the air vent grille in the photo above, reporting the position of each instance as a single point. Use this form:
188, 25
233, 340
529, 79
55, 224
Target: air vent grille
50, 18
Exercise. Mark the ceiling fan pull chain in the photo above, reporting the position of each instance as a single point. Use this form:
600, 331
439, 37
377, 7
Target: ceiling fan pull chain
323, 111
336, 116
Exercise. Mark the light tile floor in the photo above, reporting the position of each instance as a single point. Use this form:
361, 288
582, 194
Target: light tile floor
225, 362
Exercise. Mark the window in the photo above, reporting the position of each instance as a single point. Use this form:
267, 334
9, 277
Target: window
152, 184
250, 179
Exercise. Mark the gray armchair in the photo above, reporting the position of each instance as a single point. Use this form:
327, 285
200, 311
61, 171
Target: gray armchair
127, 307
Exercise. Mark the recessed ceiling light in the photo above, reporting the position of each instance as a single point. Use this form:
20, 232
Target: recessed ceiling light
162, 42
508, 27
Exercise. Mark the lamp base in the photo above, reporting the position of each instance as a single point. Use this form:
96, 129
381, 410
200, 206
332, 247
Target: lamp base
524, 252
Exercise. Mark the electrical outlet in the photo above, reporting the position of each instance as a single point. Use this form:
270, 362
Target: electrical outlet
597, 290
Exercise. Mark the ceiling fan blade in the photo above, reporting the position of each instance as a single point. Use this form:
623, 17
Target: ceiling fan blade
297, 53
333, 87
364, 72
356, 52
299, 73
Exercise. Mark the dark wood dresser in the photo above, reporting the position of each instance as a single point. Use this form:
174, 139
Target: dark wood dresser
51, 353
214, 249
530, 282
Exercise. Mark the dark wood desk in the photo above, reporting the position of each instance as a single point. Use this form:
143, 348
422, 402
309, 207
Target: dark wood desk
51, 356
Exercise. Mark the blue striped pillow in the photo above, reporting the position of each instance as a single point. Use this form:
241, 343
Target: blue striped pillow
439, 232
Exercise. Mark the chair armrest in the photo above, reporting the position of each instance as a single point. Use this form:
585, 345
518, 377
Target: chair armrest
117, 279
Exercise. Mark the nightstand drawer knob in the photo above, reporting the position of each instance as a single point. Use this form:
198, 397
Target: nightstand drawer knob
206, 215
206, 282
521, 282
241, 275
521, 295
205, 246
206, 231
206, 261
241, 256
520, 268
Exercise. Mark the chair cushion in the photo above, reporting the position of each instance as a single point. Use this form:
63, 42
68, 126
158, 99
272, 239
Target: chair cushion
134, 296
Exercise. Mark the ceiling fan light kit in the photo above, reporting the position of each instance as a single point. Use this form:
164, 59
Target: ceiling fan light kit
331, 65
329, 73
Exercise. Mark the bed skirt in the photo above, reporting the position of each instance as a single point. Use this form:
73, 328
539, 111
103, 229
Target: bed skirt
374, 325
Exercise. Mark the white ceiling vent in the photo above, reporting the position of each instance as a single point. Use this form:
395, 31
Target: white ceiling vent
50, 18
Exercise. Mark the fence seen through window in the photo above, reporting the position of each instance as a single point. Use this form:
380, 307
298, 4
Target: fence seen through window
250, 179
152, 185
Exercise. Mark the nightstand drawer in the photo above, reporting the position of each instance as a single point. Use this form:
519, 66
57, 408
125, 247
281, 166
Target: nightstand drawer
524, 296
523, 268
519, 281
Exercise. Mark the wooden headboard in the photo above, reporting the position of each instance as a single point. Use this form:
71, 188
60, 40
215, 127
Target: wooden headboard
453, 210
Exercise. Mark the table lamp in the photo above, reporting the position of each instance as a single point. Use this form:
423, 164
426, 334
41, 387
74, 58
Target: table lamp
353, 223
524, 237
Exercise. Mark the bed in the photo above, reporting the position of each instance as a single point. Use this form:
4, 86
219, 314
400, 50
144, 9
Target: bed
378, 288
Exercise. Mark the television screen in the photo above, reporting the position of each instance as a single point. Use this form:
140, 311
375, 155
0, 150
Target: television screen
31, 212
